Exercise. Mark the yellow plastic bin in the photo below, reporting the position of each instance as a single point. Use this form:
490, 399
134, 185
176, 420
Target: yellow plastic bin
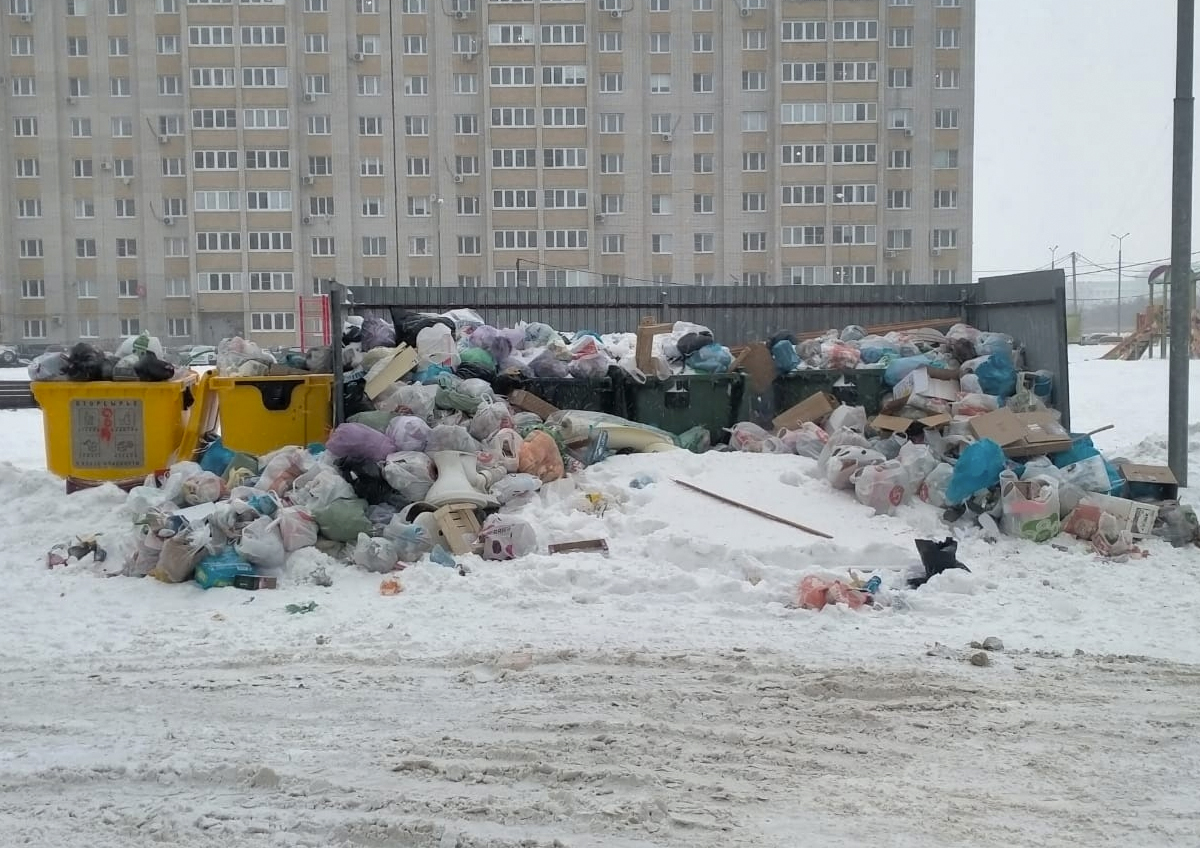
114, 430
262, 414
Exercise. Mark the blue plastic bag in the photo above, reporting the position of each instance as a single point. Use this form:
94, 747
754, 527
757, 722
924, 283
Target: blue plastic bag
784, 354
219, 569
898, 369
979, 466
216, 457
711, 359
997, 376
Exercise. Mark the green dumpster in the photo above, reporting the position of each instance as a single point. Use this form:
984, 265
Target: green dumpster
858, 387
597, 395
677, 404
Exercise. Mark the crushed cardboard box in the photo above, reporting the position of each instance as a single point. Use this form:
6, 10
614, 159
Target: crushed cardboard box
812, 408
900, 424
1137, 518
921, 382
644, 350
1022, 434
1150, 482
528, 402
401, 362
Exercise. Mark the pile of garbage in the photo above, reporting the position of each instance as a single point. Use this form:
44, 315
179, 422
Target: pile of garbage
966, 430
238, 357
139, 358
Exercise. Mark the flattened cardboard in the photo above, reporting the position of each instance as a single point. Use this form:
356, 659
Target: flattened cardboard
920, 382
813, 408
892, 424
756, 361
1155, 482
935, 422
1002, 427
1137, 518
1044, 434
404, 361
645, 340
522, 399
944, 373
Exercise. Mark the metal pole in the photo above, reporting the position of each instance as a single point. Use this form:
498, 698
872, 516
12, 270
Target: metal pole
1075, 291
1120, 255
336, 295
1053, 250
1182, 287
1153, 324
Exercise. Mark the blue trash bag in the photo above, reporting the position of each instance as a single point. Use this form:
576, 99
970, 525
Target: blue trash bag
218, 569
430, 373
711, 359
784, 354
979, 466
997, 376
898, 369
216, 457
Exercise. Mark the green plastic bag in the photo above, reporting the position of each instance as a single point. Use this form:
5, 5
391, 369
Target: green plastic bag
373, 419
343, 519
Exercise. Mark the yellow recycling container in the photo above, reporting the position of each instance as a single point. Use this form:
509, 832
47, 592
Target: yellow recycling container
262, 414
114, 430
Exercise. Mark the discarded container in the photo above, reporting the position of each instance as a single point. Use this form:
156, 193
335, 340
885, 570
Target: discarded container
598, 395
113, 430
676, 404
261, 414
858, 387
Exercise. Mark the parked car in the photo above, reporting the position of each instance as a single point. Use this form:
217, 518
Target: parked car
201, 356
1101, 338
9, 357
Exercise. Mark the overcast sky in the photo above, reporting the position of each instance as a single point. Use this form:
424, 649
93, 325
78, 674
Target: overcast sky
1073, 131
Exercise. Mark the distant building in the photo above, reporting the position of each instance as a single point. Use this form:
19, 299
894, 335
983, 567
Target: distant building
194, 167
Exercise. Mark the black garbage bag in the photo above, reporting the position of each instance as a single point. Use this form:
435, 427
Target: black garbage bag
936, 557
366, 478
108, 368
692, 342
150, 369
377, 333
781, 336
352, 334
408, 324
354, 397
469, 370
85, 363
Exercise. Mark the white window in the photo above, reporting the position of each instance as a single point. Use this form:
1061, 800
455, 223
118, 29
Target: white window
210, 36
754, 201
33, 289
85, 208
316, 42
566, 198
564, 157
272, 281
374, 245
804, 31
167, 45
170, 84
702, 5
661, 122
172, 166
943, 239
373, 124
213, 78
754, 81
370, 166
179, 328
466, 84
29, 207
418, 166
945, 78
85, 289
320, 207
514, 239
855, 113
118, 45
900, 37
804, 275
803, 195
77, 46
83, 168
754, 278
368, 7
267, 119
754, 160
20, 7
702, 163
511, 279
945, 198
661, 204
703, 242
272, 322
514, 157
81, 128
510, 116
179, 287
855, 30
89, 328
612, 163
415, 45
855, 71
858, 275
79, 87
419, 246
320, 124
510, 76
660, 163
945, 159
210, 119
270, 201
175, 247
469, 246
703, 123
803, 113
218, 242
900, 119
254, 35
31, 248
416, 85
900, 160
612, 123
900, 77
563, 34
564, 116
702, 83
660, 83
275, 160
28, 168
123, 167
899, 239
368, 45
611, 42
660, 42
564, 75
854, 154
855, 195
422, 282
85, 248
945, 119
514, 198
947, 38
170, 125
372, 207
35, 328
804, 72
468, 205
24, 86
702, 42
125, 207
899, 198
505, 34
754, 39
660, 5
754, 242
265, 77
612, 243
899, 277
612, 204
21, 45
320, 166
323, 246
466, 165
702, 204
853, 234
944, 276
215, 160
948, 4
566, 239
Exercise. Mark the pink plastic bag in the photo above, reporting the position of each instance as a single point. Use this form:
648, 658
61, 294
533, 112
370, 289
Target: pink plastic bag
540, 457
358, 441
815, 593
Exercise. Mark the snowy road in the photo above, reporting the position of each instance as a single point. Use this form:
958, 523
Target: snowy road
578, 749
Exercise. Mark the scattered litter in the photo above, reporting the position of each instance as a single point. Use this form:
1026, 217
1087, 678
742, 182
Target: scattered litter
300, 609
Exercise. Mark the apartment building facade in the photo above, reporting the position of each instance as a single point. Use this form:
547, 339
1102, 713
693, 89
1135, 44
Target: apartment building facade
195, 167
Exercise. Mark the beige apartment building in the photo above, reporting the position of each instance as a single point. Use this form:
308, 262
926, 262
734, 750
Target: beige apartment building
196, 167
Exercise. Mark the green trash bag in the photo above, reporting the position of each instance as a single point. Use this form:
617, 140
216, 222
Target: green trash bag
343, 519
373, 419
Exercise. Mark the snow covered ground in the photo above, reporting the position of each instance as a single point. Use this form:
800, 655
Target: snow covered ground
664, 695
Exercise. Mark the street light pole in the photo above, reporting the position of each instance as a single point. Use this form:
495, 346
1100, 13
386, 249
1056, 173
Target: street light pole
1120, 256
1053, 251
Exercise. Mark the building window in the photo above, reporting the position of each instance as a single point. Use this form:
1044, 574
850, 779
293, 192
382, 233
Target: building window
945, 119
660, 204
854, 194
323, 246
77, 46
175, 247
853, 234
612, 163
804, 31
416, 85
945, 239
370, 166
24, 86
468, 246
660, 163
29, 207
702, 163
855, 71
514, 239
945, 159
945, 198
947, 39
563, 34
81, 128
419, 246
35, 328
899, 198
170, 84
118, 45
859, 275
855, 30
754, 122
125, 207
945, 276
218, 242
468, 205
25, 127
179, 328
660, 42
264, 35
269, 242
754, 81
900, 160
167, 45
320, 207
754, 201
804, 275
28, 168
33, 289
754, 160
612, 83
121, 126
319, 125
899, 277
85, 208
855, 113
466, 84
703, 242
89, 328
564, 116
316, 42
418, 166
945, 78
802, 236
803, 195
804, 113
127, 288
612, 204
372, 207
899, 239
612, 123
702, 204
373, 124
415, 45
611, 42
507, 34
702, 83
702, 42
566, 198
374, 246
178, 287
703, 123
804, 72
272, 322
754, 242
83, 168
754, 39
612, 243
900, 37
856, 154
900, 77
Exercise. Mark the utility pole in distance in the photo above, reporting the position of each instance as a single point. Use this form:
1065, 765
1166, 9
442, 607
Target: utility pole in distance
1183, 287
1075, 289
1120, 246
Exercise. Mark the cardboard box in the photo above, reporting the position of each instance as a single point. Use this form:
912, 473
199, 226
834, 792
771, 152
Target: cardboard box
646, 332
1137, 518
920, 382
901, 424
522, 399
756, 361
1024, 434
813, 408
404, 360
1150, 482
